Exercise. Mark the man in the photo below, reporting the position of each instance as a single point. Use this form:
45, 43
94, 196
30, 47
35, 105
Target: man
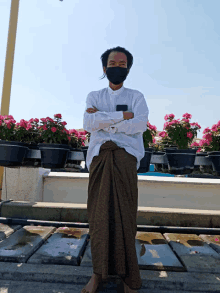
116, 117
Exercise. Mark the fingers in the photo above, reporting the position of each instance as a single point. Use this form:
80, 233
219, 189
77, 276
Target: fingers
91, 110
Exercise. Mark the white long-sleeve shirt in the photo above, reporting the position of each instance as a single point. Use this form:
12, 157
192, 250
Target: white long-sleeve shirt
109, 124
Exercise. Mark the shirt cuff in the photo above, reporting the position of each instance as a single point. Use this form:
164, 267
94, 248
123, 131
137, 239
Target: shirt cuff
118, 115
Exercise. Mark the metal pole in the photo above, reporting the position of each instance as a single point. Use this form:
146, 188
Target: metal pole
9, 61
140, 228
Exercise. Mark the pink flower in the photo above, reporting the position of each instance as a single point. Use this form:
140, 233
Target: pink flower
203, 141
64, 123
29, 126
186, 115
206, 130
65, 130
8, 117
169, 116
43, 119
49, 119
58, 116
53, 129
44, 127
152, 127
194, 144
73, 131
208, 136
162, 134
8, 123
22, 124
173, 122
214, 128
195, 124
36, 120
189, 134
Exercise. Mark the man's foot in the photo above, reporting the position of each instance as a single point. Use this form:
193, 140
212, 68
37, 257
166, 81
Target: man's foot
92, 285
128, 290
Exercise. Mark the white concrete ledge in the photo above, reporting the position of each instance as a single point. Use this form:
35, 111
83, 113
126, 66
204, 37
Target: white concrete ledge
140, 178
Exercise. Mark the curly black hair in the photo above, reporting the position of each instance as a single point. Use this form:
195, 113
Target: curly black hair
105, 55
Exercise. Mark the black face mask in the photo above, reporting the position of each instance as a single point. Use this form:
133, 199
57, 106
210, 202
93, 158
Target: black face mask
116, 75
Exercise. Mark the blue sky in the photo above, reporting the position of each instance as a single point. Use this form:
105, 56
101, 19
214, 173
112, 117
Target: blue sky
175, 45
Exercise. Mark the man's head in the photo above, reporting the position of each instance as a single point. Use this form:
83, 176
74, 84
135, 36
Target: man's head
116, 57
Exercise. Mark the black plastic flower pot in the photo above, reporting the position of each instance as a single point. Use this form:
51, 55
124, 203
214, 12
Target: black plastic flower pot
12, 153
32, 162
204, 168
53, 155
200, 168
215, 158
197, 167
158, 167
76, 162
180, 161
75, 149
33, 146
165, 166
145, 161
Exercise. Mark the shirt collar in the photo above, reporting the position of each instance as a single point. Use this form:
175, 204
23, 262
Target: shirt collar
117, 92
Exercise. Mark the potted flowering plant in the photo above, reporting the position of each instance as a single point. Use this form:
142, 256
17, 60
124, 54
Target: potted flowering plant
211, 145
27, 131
55, 146
77, 139
148, 136
12, 148
181, 133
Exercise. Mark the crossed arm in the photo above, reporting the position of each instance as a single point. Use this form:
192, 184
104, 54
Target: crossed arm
137, 124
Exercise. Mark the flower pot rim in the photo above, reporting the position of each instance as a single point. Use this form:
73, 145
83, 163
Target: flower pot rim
14, 141
213, 152
47, 144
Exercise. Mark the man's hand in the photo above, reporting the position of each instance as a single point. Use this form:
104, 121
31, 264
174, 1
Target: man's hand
128, 115
92, 110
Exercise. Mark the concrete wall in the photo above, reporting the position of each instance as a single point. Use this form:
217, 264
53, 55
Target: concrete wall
164, 192
23, 183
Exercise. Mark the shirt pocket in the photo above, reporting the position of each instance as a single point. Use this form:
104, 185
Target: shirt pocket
127, 102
